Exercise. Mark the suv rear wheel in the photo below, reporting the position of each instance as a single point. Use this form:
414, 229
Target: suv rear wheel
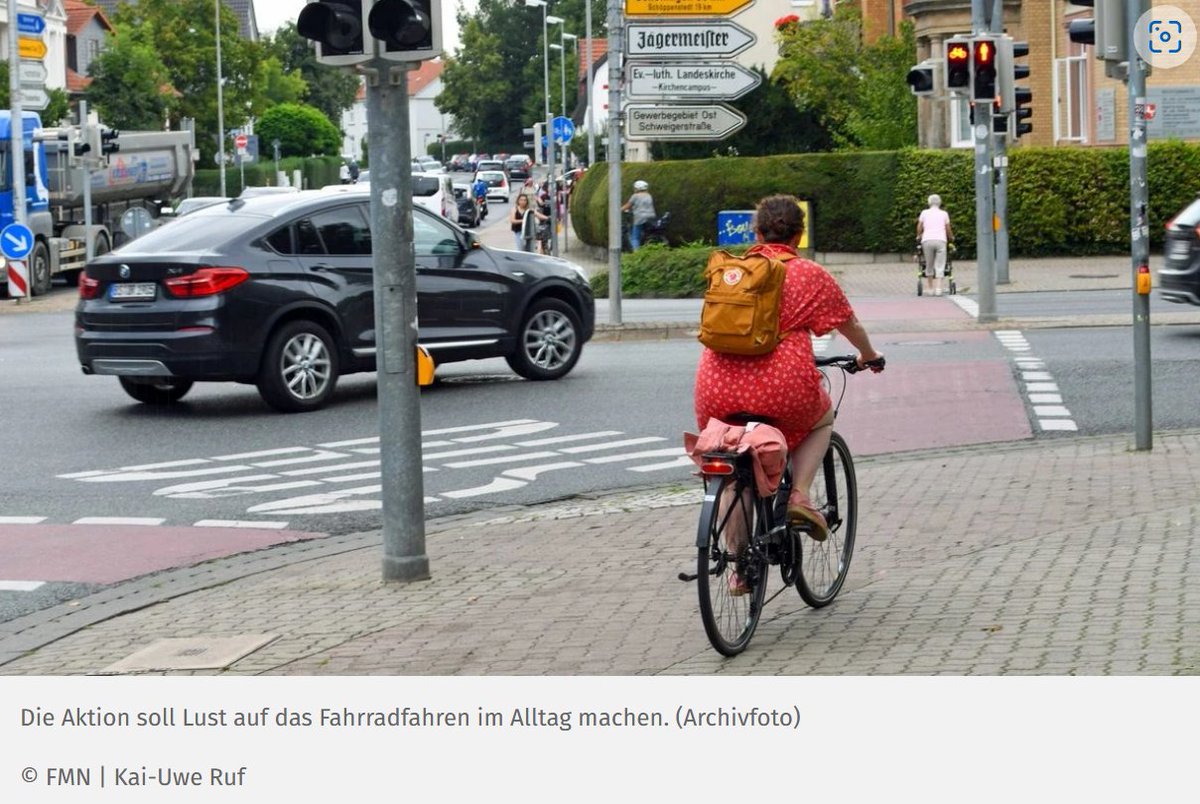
299, 369
548, 342
156, 390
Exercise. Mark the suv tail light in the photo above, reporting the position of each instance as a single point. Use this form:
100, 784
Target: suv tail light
88, 287
205, 282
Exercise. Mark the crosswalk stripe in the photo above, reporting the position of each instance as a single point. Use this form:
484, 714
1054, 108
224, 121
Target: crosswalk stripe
628, 442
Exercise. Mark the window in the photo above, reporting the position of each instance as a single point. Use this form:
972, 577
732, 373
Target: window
961, 135
343, 230
431, 238
1071, 96
281, 240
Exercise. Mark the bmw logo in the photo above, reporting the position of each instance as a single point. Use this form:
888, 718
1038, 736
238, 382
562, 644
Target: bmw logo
123, 271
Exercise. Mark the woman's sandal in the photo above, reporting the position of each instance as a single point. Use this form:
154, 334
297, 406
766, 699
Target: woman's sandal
800, 512
737, 585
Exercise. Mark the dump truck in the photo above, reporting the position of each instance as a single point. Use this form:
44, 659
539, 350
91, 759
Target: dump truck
126, 178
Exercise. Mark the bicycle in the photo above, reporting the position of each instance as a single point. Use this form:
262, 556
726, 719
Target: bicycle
817, 569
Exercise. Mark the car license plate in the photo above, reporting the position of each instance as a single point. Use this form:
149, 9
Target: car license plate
1179, 249
132, 291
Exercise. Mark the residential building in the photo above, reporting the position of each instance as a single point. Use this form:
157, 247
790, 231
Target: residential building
425, 122
1074, 103
88, 29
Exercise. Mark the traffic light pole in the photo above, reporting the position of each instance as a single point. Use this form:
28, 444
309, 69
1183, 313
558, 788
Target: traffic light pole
389, 148
1139, 236
616, 43
1000, 165
985, 266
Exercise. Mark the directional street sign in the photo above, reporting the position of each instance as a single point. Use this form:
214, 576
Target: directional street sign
689, 80
708, 39
653, 122
30, 24
683, 8
34, 98
31, 72
28, 48
563, 130
16, 241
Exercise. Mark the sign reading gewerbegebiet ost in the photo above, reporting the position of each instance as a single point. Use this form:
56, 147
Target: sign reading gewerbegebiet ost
656, 122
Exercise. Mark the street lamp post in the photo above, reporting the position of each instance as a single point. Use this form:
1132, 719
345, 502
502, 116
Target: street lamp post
563, 36
546, 21
220, 98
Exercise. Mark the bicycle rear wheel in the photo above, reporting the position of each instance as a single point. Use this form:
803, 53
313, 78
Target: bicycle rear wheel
824, 565
728, 521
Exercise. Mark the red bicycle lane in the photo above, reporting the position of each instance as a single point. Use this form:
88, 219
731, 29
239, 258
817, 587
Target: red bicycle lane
943, 387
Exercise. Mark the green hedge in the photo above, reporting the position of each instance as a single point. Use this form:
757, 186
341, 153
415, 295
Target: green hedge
317, 171
1061, 201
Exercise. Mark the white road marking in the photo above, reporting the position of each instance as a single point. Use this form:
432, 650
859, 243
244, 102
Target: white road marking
239, 523
629, 456
454, 453
628, 442
497, 485
531, 472
325, 502
20, 586
118, 520
653, 467
509, 431
262, 453
318, 456
21, 520
541, 442
316, 470
354, 442
529, 456
470, 427
1040, 388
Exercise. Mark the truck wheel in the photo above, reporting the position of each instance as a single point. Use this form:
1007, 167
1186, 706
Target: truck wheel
39, 269
299, 368
156, 391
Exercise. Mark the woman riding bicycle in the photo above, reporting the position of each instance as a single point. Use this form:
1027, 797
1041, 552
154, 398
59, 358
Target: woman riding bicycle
785, 385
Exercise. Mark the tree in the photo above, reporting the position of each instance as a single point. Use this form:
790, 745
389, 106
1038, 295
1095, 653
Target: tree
330, 89
58, 108
130, 86
301, 130
856, 90
182, 33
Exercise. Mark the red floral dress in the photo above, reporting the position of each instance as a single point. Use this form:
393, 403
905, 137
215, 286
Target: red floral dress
784, 384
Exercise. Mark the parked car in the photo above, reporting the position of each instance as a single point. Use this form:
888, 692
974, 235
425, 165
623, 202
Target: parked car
431, 165
497, 184
435, 192
1179, 276
278, 291
468, 210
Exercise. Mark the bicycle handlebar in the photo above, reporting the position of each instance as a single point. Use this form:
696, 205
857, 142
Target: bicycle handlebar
849, 363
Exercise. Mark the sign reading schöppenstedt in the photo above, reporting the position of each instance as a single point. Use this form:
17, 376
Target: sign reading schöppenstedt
683, 8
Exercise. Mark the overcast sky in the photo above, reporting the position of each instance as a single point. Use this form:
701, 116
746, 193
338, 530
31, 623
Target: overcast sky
270, 14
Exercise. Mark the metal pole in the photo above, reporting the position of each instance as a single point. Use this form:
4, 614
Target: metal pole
17, 131
615, 44
1001, 167
404, 557
549, 136
562, 47
89, 239
590, 83
985, 266
220, 98
1139, 235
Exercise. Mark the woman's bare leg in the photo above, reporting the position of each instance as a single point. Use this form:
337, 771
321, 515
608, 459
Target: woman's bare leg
806, 459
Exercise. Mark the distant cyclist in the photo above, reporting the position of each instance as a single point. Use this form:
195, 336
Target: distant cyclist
479, 190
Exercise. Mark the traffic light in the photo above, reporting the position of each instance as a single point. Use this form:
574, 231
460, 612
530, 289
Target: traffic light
983, 77
921, 78
108, 141
1013, 99
958, 64
1106, 31
79, 147
407, 30
337, 28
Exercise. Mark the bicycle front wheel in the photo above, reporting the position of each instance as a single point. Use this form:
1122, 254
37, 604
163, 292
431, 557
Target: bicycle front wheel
731, 576
824, 565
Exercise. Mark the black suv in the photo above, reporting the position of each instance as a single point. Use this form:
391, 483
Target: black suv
278, 291
1179, 277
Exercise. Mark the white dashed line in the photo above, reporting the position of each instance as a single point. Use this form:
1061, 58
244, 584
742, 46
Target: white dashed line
118, 520
20, 586
1040, 388
239, 523
21, 520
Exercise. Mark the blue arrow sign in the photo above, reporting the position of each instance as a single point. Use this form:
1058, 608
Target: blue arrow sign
563, 130
16, 241
30, 24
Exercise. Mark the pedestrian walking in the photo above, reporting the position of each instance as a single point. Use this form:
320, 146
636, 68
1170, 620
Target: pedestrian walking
934, 235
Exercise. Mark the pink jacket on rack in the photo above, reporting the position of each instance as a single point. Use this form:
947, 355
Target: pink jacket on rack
766, 444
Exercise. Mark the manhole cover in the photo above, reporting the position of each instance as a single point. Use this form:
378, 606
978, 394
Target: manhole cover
1094, 276
192, 653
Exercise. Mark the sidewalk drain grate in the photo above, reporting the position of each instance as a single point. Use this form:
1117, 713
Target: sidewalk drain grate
191, 653
1093, 276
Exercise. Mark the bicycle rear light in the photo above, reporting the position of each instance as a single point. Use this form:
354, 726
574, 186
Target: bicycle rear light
716, 466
